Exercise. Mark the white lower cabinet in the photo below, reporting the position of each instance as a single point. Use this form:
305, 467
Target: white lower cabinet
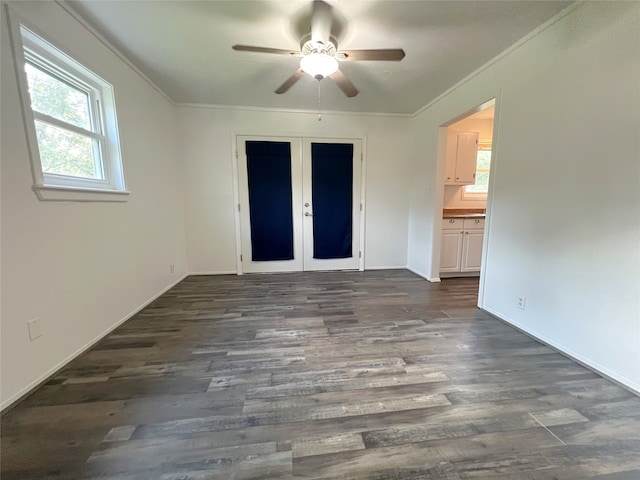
461, 248
472, 250
451, 251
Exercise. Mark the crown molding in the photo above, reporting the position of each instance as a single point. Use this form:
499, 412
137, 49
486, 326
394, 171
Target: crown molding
531, 35
101, 38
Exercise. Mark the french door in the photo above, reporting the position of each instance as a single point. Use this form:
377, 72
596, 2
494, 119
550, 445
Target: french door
300, 203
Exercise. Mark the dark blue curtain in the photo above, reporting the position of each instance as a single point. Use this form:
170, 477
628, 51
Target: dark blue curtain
270, 208
332, 195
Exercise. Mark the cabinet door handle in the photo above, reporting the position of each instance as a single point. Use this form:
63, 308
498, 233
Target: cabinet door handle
452, 220
476, 221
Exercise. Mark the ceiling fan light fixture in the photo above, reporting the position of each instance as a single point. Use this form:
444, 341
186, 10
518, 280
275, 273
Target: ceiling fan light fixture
319, 65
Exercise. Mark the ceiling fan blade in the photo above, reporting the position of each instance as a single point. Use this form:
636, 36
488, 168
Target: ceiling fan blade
288, 83
278, 51
344, 84
321, 22
388, 54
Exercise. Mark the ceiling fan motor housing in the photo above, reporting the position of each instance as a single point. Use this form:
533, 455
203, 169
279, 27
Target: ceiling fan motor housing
309, 46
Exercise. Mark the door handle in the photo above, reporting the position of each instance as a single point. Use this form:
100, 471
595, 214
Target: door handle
306, 204
307, 214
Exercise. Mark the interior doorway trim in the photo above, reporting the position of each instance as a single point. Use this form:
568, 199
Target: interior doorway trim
301, 136
434, 274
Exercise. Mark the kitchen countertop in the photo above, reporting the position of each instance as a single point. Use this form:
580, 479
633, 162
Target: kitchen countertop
463, 213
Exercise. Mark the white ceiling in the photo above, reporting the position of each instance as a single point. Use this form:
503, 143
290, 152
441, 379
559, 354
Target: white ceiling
184, 47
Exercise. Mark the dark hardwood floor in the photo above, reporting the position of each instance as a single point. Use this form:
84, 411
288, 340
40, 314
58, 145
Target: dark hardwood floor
360, 375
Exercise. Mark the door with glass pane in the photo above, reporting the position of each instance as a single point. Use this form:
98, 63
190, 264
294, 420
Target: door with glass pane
332, 204
299, 204
269, 172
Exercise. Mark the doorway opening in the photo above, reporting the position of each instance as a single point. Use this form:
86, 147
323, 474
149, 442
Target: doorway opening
466, 153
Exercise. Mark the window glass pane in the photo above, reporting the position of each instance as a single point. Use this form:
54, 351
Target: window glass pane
482, 173
67, 153
484, 159
52, 96
481, 185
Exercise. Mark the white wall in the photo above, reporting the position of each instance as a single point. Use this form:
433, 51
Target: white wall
207, 160
453, 198
564, 217
82, 267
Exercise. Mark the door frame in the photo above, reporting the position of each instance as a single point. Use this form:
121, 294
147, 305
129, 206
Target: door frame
284, 136
436, 239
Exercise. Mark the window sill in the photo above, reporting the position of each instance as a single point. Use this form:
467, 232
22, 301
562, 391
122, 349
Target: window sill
71, 194
472, 196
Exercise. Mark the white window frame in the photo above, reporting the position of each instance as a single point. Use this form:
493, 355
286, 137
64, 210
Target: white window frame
30, 45
465, 195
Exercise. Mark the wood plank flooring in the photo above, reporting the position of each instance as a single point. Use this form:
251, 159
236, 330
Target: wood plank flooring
361, 375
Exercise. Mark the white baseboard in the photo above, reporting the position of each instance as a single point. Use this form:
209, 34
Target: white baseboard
233, 272
222, 272
383, 267
576, 357
14, 399
459, 274
423, 275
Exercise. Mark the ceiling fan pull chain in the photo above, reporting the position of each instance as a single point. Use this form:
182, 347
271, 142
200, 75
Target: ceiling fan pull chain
319, 113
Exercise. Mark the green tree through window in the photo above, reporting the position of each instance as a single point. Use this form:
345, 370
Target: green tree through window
62, 151
483, 165
70, 122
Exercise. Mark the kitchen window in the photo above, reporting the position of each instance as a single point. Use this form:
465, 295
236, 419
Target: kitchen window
480, 189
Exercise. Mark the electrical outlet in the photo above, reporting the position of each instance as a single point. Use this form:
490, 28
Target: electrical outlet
35, 328
522, 301
172, 267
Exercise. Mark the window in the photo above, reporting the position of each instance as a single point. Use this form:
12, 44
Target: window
71, 124
483, 163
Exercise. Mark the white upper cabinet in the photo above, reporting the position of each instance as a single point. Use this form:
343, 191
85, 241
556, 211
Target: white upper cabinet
462, 154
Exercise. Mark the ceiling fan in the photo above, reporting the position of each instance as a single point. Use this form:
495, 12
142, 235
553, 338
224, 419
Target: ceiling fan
320, 54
